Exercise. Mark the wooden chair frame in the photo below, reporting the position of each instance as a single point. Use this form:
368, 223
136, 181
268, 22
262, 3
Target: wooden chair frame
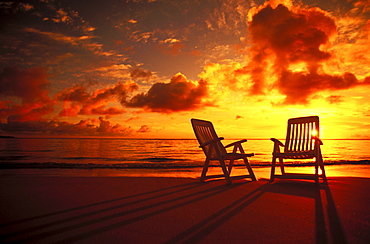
302, 142
214, 150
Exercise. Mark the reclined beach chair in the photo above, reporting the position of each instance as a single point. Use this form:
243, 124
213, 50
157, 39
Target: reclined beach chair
214, 150
302, 142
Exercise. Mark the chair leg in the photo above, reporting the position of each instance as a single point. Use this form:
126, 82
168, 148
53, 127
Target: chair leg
250, 170
230, 166
321, 164
317, 171
205, 169
226, 173
273, 164
281, 162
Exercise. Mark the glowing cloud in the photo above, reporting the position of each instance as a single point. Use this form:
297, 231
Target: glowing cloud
89, 127
144, 129
140, 73
78, 101
30, 87
287, 37
178, 95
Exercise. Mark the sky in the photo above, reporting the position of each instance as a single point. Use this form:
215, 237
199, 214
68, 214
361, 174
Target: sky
144, 68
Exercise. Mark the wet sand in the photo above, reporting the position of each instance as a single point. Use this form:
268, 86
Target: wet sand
42, 209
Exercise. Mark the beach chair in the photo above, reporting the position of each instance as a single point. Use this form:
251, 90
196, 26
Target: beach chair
215, 151
302, 142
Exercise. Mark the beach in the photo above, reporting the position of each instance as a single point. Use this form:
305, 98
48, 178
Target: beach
39, 208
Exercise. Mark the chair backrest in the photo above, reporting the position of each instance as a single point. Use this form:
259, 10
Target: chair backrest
205, 132
301, 134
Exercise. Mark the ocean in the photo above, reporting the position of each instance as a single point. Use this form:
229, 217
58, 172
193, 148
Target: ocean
115, 153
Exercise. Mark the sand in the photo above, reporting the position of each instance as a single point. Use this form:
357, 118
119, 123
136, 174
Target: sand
182, 210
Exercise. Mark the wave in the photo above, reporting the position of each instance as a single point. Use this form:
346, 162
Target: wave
153, 163
160, 159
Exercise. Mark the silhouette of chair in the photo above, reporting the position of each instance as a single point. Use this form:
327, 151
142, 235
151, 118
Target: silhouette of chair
215, 151
302, 142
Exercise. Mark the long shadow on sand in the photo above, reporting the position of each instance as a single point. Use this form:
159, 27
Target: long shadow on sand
64, 225
116, 213
53, 214
293, 188
148, 196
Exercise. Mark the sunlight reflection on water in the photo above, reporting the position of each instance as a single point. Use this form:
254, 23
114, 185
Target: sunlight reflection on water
160, 154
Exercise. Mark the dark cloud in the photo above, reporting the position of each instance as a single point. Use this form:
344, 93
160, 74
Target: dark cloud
91, 127
298, 86
178, 95
24, 93
132, 119
106, 128
334, 99
78, 101
172, 49
144, 129
29, 85
140, 73
287, 37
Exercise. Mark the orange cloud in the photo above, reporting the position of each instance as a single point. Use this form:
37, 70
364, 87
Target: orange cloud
144, 129
78, 101
30, 87
30, 112
140, 73
298, 86
101, 127
286, 37
172, 49
28, 84
178, 95
334, 99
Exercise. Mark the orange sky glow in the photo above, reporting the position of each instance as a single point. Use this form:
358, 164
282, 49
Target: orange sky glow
143, 69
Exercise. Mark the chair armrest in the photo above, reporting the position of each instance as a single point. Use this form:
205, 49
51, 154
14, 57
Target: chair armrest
234, 143
276, 141
211, 141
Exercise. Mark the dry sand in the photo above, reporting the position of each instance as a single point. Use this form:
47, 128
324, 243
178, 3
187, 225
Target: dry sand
183, 210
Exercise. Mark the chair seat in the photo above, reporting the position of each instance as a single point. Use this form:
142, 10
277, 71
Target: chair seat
296, 155
234, 156
297, 176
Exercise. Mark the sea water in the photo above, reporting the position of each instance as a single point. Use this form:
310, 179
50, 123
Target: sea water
156, 155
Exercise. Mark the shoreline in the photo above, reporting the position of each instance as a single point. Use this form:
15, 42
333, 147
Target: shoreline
183, 210
348, 170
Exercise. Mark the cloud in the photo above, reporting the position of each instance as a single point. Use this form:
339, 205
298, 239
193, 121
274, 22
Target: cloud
90, 127
27, 93
132, 119
334, 99
77, 100
298, 86
144, 129
28, 84
140, 73
178, 95
107, 128
293, 37
172, 49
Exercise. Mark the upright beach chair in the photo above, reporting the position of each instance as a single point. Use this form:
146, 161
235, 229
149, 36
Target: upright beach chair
214, 150
302, 142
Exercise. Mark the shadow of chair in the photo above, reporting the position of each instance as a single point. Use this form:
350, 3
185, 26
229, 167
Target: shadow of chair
215, 151
302, 142
328, 228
